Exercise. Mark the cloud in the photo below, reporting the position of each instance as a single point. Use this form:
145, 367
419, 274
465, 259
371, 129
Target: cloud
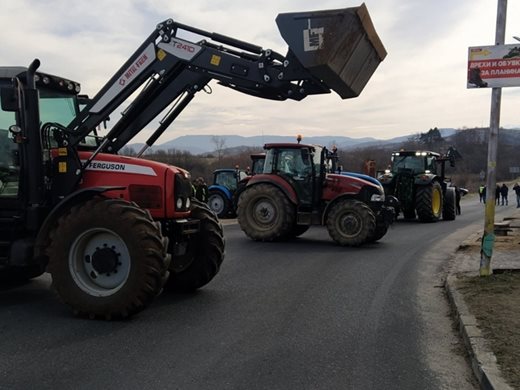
421, 84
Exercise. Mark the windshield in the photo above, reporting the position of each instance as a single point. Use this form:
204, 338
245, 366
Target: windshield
57, 108
415, 163
226, 179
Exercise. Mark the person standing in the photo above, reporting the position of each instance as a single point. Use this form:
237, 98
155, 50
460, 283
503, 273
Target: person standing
481, 193
503, 191
484, 194
516, 188
497, 195
201, 190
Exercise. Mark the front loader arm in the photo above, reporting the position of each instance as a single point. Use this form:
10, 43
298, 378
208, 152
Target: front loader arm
328, 50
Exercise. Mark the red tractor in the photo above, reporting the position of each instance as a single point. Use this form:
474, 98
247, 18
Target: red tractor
297, 190
113, 230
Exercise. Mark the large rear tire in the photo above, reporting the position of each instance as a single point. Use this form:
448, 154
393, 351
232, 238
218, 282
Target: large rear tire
265, 213
204, 253
450, 204
428, 202
107, 258
218, 203
351, 222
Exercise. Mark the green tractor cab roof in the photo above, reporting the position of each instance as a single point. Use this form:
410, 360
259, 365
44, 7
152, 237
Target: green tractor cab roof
415, 153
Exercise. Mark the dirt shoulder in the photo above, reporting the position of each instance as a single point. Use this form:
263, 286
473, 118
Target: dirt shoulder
495, 301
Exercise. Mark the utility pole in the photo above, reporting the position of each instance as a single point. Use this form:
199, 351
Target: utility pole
488, 239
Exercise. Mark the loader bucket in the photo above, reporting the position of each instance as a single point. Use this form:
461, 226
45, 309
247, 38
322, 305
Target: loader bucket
340, 47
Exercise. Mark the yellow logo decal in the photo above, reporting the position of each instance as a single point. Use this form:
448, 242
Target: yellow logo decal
215, 60
62, 167
161, 54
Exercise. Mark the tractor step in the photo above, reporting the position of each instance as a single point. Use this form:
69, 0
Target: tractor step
308, 218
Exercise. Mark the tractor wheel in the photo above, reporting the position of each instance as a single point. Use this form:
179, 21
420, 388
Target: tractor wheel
204, 253
449, 209
218, 203
107, 258
351, 222
428, 202
265, 213
379, 232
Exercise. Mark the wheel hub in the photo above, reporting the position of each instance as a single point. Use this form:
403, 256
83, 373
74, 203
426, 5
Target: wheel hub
350, 224
265, 212
99, 262
216, 204
105, 260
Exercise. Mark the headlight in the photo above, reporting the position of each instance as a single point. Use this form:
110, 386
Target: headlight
377, 198
179, 203
188, 203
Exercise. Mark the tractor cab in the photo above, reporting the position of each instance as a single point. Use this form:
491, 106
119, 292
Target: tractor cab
257, 163
414, 162
300, 165
228, 178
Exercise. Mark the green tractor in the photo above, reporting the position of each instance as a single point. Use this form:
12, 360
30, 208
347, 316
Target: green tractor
417, 179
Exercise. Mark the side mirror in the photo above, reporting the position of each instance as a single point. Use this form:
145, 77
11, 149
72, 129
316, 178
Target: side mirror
9, 99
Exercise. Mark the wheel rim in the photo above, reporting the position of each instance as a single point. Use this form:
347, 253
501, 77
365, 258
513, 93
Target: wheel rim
436, 201
264, 212
216, 203
349, 224
99, 262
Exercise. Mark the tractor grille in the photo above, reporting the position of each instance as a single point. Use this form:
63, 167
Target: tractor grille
183, 191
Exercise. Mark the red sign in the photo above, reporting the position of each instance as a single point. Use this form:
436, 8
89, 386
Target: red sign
494, 66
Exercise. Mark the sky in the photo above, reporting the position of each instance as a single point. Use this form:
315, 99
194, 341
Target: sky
421, 84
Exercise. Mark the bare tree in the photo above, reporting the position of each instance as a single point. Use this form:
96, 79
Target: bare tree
220, 144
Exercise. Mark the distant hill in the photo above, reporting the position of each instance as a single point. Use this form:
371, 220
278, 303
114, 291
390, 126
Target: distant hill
234, 144
201, 144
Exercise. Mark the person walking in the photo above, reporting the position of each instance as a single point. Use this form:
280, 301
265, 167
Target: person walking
497, 196
516, 188
484, 194
503, 191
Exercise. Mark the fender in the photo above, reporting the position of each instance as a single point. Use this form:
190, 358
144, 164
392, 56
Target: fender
218, 187
425, 179
277, 181
80, 196
334, 201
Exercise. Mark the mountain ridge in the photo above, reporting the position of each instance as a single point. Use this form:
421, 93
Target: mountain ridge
203, 144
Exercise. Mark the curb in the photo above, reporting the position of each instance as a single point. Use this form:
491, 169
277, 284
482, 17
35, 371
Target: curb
483, 360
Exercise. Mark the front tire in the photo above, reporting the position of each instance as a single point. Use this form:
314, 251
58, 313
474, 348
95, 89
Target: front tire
218, 203
265, 213
107, 258
450, 204
428, 202
379, 232
204, 253
351, 222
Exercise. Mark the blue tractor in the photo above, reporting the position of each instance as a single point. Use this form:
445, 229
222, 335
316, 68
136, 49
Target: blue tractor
221, 197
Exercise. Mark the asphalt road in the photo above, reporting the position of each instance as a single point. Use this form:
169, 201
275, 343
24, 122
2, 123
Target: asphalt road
304, 314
